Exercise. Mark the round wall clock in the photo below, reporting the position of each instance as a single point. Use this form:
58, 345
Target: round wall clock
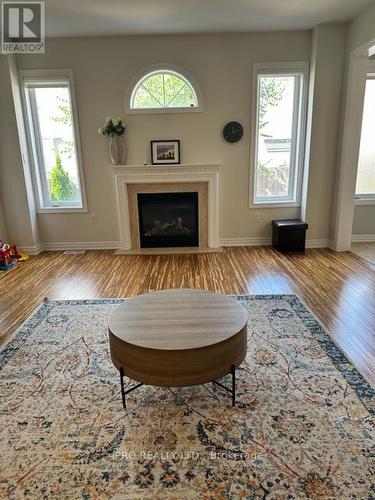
233, 132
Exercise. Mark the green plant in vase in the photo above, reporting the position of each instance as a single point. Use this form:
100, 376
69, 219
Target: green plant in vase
114, 128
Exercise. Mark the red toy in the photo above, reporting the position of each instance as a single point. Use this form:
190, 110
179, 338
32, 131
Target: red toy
15, 252
10, 255
5, 254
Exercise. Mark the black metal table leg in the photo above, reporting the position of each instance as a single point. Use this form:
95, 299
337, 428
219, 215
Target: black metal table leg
233, 385
123, 392
232, 391
122, 387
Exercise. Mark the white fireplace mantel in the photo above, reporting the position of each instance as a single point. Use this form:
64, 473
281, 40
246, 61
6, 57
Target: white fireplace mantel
153, 174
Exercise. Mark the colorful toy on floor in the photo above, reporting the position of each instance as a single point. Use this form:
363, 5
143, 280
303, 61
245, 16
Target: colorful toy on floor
23, 256
5, 257
10, 255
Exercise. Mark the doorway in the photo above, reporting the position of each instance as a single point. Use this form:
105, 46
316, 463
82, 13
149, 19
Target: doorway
358, 70
363, 231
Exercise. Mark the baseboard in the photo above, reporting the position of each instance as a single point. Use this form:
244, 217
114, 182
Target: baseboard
76, 245
323, 243
362, 238
82, 245
250, 242
114, 245
244, 242
32, 250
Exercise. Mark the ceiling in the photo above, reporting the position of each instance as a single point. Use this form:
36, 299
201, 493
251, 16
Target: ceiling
117, 17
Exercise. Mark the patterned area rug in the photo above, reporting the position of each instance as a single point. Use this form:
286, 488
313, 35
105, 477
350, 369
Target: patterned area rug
304, 426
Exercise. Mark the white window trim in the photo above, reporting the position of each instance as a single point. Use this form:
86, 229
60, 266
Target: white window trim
367, 199
299, 127
160, 68
364, 199
42, 76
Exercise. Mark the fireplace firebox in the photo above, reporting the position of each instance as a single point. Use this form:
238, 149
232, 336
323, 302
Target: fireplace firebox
168, 219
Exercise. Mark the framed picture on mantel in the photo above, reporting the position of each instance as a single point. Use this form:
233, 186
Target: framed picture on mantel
165, 152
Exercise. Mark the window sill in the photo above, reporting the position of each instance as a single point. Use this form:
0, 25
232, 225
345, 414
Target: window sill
364, 201
275, 204
62, 210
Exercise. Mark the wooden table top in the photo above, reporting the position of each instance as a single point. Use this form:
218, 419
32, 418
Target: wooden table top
177, 319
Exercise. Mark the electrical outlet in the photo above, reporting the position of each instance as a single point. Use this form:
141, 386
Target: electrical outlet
93, 219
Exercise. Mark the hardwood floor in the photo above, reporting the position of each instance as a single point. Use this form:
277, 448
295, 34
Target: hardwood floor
338, 288
365, 250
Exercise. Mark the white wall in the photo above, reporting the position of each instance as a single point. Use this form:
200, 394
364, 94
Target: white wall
104, 68
12, 180
362, 28
3, 229
221, 64
329, 54
364, 219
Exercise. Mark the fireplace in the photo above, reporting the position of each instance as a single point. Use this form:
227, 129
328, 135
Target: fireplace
168, 219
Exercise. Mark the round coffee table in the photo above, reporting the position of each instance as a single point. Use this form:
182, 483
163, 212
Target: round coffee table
175, 338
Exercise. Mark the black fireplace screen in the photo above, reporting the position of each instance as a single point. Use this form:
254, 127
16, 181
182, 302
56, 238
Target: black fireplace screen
168, 219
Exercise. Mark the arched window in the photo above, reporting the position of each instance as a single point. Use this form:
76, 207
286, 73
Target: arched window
163, 89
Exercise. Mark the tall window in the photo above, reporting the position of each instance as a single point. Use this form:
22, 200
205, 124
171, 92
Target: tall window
163, 90
280, 97
365, 188
53, 140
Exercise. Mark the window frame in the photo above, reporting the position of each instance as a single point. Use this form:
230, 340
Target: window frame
369, 198
162, 68
300, 69
52, 78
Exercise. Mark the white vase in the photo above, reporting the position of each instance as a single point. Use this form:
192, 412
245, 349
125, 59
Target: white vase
117, 150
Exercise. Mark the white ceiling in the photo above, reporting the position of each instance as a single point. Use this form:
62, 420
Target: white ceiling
115, 17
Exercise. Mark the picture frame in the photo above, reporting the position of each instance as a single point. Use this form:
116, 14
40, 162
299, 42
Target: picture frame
165, 152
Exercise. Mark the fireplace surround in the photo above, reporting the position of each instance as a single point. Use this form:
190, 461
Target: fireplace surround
131, 180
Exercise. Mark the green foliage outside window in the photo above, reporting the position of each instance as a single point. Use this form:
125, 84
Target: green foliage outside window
62, 188
164, 90
65, 118
271, 91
